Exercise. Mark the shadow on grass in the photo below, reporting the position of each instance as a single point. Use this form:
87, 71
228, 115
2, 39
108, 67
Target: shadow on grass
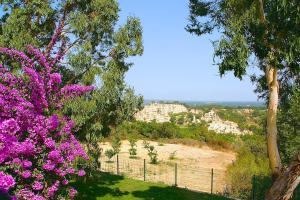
173, 193
107, 186
98, 186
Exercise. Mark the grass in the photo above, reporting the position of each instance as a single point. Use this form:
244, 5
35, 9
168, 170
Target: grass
105, 186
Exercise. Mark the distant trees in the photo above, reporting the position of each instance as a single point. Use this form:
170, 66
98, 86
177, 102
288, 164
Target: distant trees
268, 31
252, 121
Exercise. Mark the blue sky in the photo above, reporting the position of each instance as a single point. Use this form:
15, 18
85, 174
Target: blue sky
177, 65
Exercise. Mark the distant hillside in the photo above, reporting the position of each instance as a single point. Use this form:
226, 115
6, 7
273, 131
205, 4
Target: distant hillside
210, 103
239, 121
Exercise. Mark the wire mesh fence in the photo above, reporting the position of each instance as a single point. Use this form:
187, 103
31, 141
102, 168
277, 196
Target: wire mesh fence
170, 173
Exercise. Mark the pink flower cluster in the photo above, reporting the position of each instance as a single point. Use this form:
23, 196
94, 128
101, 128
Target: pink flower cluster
6, 182
37, 147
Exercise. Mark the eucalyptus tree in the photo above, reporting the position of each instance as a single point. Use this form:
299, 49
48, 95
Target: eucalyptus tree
268, 32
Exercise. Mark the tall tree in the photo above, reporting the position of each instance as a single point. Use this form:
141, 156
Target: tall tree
113, 102
266, 30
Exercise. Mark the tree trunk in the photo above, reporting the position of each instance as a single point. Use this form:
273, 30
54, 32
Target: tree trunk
274, 157
286, 183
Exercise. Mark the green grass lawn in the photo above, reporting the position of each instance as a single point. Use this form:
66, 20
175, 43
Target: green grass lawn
109, 187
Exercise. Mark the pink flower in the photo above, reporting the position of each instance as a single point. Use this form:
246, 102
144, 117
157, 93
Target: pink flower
48, 166
33, 139
81, 172
52, 190
25, 194
27, 164
26, 174
6, 181
54, 155
53, 122
70, 170
72, 192
65, 182
38, 197
39, 176
37, 185
50, 143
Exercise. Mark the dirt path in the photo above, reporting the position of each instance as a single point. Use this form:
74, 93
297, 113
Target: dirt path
194, 165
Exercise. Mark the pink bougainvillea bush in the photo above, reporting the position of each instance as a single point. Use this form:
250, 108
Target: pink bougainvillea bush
37, 147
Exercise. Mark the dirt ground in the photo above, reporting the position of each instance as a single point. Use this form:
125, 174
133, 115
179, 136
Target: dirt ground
194, 165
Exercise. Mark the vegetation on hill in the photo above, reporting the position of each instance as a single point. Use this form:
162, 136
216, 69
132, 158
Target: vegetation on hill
160, 131
252, 119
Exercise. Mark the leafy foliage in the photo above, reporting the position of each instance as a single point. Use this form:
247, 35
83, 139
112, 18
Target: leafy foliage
289, 127
109, 153
116, 145
133, 149
251, 160
152, 153
244, 34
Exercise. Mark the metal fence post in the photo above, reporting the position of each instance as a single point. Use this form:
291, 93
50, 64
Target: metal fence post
175, 174
144, 169
253, 187
212, 181
118, 164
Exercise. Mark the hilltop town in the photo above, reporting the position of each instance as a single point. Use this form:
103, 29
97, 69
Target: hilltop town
163, 112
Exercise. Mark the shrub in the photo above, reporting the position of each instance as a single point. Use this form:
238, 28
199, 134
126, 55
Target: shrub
251, 160
116, 145
152, 153
109, 153
37, 148
172, 155
146, 144
132, 150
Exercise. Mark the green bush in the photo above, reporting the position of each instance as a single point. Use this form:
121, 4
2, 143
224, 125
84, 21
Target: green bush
172, 155
109, 153
132, 150
289, 128
251, 160
152, 153
116, 144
